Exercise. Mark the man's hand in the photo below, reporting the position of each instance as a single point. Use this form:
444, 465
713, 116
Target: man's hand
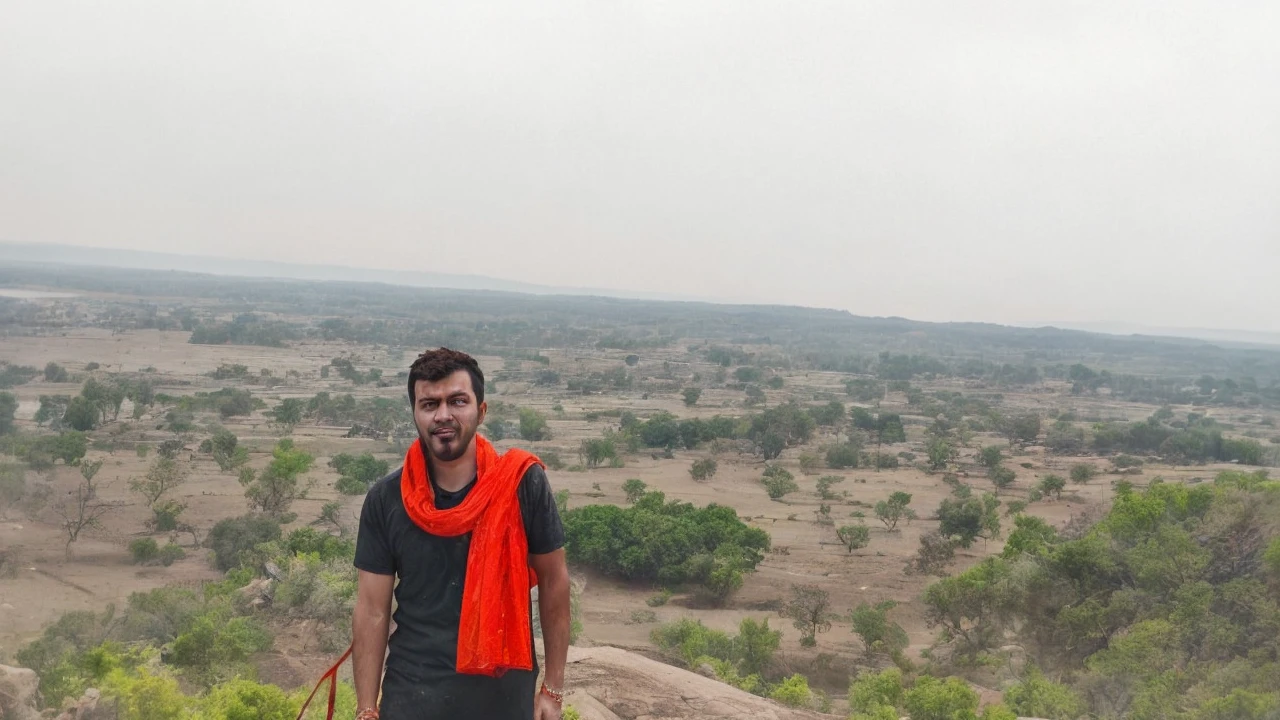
544, 708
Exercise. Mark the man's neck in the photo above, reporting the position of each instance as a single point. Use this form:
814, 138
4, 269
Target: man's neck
454, 475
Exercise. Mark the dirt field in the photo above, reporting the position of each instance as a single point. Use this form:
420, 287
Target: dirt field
47, 582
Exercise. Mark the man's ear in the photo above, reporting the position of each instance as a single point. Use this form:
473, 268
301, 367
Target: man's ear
484, 408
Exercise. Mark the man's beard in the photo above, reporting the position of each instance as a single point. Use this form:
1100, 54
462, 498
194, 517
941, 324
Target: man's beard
452, 448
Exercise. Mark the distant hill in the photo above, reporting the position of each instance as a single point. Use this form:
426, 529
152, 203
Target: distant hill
108, 257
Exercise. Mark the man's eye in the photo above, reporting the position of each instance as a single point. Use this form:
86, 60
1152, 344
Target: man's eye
459, 402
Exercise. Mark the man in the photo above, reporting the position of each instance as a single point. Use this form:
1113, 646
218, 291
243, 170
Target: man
460, 527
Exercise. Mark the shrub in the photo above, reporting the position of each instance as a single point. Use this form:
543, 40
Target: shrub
936, 552
879, 634
533, 425
671, 543
824, 486
703, 469
1082, 473
350, 486
934, 699
1053, 485
854, 537
843, 455
1039, 697
171, 553
793, 692
660, 599
894, 510
876, 695
166, 514
144, 551
778, 482
233, 536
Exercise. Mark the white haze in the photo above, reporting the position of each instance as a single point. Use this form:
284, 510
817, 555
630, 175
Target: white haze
1003, 161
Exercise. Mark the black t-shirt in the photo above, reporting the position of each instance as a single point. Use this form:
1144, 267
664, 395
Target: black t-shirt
421, 681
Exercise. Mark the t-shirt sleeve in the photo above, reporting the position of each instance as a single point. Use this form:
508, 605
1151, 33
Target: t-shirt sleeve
541, 517
373, 546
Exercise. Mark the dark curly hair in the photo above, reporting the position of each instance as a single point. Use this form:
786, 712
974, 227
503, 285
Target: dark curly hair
436, 365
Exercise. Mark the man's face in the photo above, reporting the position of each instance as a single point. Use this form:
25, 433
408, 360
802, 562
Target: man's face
447, 415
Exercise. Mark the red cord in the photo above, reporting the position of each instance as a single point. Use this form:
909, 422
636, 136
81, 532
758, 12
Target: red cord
332, 676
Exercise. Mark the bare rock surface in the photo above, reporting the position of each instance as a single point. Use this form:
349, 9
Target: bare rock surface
612, 684
19, 692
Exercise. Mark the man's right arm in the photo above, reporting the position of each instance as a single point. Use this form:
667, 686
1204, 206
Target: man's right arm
370, 626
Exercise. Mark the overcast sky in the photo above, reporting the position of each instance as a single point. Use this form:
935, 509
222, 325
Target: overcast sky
1002, 161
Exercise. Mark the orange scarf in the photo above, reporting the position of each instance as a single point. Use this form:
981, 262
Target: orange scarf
494, 633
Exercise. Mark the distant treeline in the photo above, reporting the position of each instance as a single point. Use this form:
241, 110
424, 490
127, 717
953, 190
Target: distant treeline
254, 311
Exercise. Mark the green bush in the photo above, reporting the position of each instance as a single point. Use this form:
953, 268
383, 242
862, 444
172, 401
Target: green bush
166, 513
934, 699
241, 699
171, 553
233, 536
144, 551
778, 482
215, 641
843, 455
1037, 696
671, 543
793, 692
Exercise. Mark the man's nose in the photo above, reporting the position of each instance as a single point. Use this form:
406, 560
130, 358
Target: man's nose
442, 413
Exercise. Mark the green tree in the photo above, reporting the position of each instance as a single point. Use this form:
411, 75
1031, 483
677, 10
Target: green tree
8, 409
843, 455
232, 537
754, 646
990, 456
894, 510
274, 489
595, 451
1037, 696
1082, 473
876, 695
226, 450
289, 411
854, 537
52, 410
792, 691
533, 425
634, 489
358, 472
809, 610
691, 395
879, 634
969, 518
1053, 485
934, 699
1030, 535
1001, 477
164, 475
940, 452
55, 373
703, 469
824, 486
1021, 428
81, 414
778, 482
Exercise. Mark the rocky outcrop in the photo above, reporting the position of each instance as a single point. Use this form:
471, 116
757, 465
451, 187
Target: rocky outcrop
611, 684
19, 693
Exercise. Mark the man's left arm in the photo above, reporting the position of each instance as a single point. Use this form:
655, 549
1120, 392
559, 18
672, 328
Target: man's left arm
553, 608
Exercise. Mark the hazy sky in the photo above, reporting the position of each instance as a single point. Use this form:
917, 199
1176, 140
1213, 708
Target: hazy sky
1002, 161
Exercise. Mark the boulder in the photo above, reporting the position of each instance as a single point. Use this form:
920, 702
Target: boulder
19, 693
607, 683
